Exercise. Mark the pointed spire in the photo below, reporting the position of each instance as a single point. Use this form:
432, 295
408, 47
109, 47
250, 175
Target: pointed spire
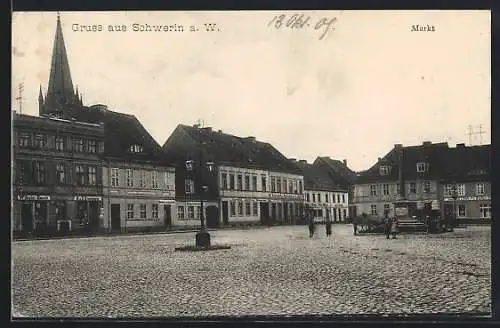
40, 102
60, 90
40, 95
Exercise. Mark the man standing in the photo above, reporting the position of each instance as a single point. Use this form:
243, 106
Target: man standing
311, 227
387, 225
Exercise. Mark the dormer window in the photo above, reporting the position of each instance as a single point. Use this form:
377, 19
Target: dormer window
135, 149
422, 167
189, 165
384, 169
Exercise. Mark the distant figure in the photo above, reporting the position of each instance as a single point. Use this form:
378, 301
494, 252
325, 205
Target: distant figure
311, 227
394, 228
328, 228
387, 225
355, 225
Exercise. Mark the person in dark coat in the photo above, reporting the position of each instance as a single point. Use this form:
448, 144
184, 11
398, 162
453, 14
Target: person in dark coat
387, 225
311, 227
355, 225
328, 228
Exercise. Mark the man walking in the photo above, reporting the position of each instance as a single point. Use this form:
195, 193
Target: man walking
328, 228
311, 227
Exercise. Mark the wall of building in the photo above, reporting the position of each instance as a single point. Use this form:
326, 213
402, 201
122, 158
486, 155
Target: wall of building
329, 204
386, 193
123, 191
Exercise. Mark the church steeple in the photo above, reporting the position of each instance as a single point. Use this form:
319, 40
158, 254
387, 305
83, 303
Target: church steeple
40, 102
60, 91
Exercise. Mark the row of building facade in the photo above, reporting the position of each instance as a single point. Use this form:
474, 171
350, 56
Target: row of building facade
454, 181
89, 168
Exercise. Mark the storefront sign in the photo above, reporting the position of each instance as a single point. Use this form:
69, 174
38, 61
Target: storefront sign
33, 197
470, 198
87, 198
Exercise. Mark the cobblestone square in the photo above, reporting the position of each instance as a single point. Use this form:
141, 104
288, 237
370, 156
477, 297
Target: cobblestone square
267, 271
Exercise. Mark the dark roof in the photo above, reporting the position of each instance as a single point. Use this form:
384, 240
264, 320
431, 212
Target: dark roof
120, 132
337, 170
316, 178
467, 164
225, 148
444, 162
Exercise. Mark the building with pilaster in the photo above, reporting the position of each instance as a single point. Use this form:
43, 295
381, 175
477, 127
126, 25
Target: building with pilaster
234, 180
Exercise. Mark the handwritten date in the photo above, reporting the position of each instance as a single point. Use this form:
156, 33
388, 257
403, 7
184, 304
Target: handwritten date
300, 21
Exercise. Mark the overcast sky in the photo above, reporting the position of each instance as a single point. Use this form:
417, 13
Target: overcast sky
365, 86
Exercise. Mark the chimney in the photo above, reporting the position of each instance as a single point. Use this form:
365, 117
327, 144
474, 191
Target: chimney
379, 159
220, 131
460, 145
398, 146
303, 161
345, 162
401, 177
427, 143
293, 159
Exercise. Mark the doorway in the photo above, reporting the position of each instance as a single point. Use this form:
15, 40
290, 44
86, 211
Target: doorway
264, 213
26, 217
93, 216
167, 216
212, 216
115, 217
225, 213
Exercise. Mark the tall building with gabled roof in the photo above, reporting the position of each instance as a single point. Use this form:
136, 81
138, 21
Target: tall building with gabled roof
60, 90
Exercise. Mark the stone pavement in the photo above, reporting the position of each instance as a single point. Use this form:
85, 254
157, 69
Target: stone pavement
270, 271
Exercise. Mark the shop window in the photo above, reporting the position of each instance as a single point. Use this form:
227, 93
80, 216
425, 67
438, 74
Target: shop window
60, 210
154, 211
130, 211
191, 212
255, 209
248, 207
240, 208
232, 208
180, 212
82, 213
485, 210
461, 211
142, 211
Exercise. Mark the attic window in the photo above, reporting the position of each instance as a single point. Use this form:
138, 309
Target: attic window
135, 149
422, 167
384, 169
